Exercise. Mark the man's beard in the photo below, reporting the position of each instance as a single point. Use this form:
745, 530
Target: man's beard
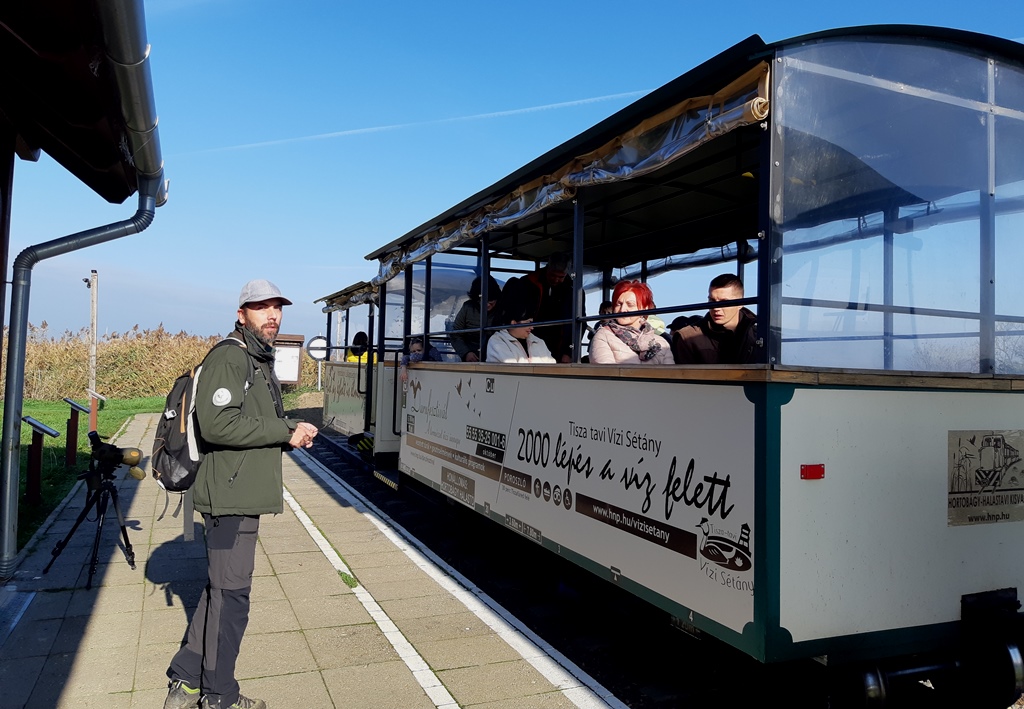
267, 340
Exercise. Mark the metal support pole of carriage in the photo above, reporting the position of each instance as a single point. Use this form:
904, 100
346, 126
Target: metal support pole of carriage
347, 335
888, 237
578, 227
329, 333
484, 269
769, 250
371, 354
427, 285
987, 257
407, 304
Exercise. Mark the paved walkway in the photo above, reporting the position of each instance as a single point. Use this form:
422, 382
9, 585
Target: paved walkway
345, 612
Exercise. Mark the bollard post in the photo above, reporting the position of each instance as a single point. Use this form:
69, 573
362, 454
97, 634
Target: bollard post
71, 440
34, 474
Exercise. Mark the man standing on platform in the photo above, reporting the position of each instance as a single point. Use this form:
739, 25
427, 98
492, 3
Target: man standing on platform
244, 431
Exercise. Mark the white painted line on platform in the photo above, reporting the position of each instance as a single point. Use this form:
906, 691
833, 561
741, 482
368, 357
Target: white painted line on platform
576, 685
426, 678
13, 604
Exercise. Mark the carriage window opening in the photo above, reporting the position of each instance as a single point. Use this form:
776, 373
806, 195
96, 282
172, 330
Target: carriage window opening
451, 276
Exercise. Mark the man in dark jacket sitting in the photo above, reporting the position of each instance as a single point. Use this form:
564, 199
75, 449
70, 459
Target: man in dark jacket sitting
726, 335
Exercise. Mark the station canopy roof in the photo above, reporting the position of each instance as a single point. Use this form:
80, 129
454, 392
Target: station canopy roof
75, 84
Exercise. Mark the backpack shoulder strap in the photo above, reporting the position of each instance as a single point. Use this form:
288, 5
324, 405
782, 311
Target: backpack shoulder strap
250, 375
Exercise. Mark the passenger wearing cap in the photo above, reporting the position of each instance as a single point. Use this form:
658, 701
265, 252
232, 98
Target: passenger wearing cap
243, 432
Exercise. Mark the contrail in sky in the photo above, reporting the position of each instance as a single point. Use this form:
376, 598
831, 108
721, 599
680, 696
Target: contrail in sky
439, 121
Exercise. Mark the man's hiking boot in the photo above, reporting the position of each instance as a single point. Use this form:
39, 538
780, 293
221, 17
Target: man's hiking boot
181, 696
212, 702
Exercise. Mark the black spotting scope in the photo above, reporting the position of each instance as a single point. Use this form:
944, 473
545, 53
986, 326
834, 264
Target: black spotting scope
113, 456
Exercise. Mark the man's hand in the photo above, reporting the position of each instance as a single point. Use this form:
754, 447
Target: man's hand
303, 435
471, 357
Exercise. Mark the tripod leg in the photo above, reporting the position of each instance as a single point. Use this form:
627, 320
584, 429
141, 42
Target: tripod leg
129, 553
101, 513
59, 546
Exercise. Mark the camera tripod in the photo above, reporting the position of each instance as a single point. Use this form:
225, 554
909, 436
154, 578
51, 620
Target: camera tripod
98, 480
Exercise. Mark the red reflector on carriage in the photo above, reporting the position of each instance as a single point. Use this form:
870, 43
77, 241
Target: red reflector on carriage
812, 472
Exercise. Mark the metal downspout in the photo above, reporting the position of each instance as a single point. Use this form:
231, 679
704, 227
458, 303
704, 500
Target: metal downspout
23, 264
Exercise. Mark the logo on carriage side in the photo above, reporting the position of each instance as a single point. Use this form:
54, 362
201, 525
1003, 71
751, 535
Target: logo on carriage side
415, 386
985, 477
723, 548
489, 386
985, 463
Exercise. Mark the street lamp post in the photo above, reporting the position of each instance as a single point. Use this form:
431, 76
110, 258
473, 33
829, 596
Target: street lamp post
92, 283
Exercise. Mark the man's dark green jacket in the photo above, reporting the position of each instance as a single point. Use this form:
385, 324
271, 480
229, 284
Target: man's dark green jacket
243, 434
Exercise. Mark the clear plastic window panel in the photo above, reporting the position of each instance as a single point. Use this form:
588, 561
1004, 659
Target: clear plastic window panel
1009, 348
1009, 206
451, 277
395, 311
885, 60
337, 336
923, 343
884, 192
1009, 86
832, 337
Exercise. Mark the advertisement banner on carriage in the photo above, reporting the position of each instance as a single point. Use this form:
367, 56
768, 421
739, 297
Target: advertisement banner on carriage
653, 481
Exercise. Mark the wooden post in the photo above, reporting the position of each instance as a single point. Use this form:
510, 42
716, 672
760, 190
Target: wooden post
34, 474
71, 445
71, 440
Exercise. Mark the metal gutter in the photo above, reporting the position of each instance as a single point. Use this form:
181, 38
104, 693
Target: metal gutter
124, 31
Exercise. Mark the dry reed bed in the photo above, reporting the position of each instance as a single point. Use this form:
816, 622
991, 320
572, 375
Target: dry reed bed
131, 364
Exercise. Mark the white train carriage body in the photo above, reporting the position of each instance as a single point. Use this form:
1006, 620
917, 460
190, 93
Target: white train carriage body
790, 519
881, 550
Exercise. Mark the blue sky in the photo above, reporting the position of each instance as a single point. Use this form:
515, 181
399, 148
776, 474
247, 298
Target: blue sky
298, 137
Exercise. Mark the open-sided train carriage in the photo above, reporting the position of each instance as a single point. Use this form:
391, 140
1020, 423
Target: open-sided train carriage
855, 496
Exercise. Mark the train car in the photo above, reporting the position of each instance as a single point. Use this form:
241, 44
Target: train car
994, 457
819, 500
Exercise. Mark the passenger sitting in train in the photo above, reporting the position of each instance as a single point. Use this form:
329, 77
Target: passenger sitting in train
550, 288
630, 339
604, 309
416, 354
679, 323
726, 335
357, 350
467, 344
607, 307
517, 343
